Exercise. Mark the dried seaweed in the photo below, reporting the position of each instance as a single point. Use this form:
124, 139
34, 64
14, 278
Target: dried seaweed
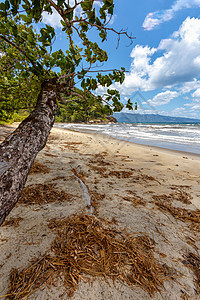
178, 195
99, 161
52, 137
72, 145
32, 278
96, 199
135, 200
95, 196
85, 246
100, 170
80, 174
39, 168
193, 261
185, 296
13, 222
121, 174
183, 197
49, 154
43, 193
144, 178
180, 213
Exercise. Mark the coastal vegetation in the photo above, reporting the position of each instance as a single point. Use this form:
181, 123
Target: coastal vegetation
19, 94
77, 109
35, 76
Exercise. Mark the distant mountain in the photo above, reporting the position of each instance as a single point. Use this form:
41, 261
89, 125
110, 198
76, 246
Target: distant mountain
151, 118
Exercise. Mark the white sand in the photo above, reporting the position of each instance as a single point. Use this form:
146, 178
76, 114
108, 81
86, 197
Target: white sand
154, 172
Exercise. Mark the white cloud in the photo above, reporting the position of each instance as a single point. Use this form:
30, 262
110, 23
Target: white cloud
176, 65
184, 112
156, 18
189, 86
141, 59
163, 98
54, 18
111, 20
178, 111
196, 94
193, 108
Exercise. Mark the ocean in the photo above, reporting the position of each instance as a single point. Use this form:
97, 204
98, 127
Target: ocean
181, 137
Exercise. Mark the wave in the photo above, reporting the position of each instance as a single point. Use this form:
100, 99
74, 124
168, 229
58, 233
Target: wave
181, 135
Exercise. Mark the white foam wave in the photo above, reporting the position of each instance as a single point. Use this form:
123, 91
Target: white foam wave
185, 134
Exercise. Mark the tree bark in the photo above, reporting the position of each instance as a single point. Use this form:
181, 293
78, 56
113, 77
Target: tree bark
18, 151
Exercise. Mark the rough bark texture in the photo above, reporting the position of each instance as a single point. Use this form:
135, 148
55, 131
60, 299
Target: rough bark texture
18, 151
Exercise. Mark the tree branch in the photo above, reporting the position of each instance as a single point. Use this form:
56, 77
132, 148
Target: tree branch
18, 48
101, 71
69, 23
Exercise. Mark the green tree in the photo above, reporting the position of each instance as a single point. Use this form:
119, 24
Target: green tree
18, 90
37, 58
79, 109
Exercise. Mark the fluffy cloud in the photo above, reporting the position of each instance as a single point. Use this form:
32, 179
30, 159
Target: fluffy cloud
189, 86
163, 98
177, 62
183, 112
154, 19
141, 59
196, 94
193, 109
54, 18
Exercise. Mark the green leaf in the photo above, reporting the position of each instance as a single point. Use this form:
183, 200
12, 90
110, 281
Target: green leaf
19, 66
2, 6
91, 16
26, 18
102, 14
110, 10
87, 5
136, 106
129, 105
103, 35
69, 15
7, 5
111, 92
60, 2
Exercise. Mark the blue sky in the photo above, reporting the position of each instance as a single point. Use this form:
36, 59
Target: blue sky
163, 63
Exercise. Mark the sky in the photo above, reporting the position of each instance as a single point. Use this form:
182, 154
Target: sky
163, 62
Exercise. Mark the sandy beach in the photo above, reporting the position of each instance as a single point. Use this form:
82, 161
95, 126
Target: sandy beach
140, 189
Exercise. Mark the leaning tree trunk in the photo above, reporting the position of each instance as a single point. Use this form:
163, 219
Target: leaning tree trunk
18, 151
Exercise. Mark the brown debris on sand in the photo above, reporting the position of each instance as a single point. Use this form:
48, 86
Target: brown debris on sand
178, 195
38, 168
85, 246
12, 222
193, 262
121, 174
42, 194
180, 213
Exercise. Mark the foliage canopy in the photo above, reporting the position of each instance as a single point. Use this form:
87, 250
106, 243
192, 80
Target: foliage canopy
28, 56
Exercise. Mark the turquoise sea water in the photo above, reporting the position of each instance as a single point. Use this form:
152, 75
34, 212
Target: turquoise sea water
181, 137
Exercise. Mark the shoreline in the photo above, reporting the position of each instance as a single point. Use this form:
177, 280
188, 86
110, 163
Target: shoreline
90, 132
139, 189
